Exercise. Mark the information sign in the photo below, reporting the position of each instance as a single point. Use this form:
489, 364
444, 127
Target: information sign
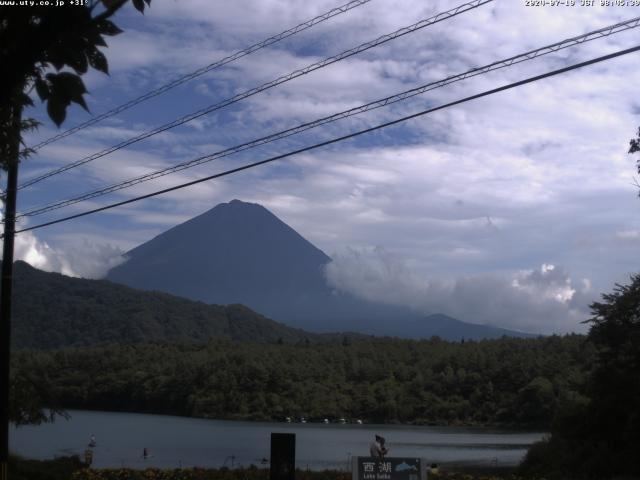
388, 468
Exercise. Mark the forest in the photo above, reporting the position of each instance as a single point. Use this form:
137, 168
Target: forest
599, 436
584, 390
382, 380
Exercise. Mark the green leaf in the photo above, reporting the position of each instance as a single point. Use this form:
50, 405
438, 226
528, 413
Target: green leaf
107, 27
93, 36
77, 60
29, 124
57, 110
79, 99
74, 88
66, 87
42, 88
98, 61
55, 56
68, 83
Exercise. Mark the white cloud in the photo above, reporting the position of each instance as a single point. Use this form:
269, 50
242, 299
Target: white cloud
470, 197
547, 283
377, 275
79, 258
543, 300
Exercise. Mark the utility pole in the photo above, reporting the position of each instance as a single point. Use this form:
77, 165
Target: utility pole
6, 284
33, 40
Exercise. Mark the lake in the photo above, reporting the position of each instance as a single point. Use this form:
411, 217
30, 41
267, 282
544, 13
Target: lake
187, 442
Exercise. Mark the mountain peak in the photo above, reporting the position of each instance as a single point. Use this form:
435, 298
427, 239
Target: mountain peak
236, 207
239, 204
222, 254
240, 252
235, 201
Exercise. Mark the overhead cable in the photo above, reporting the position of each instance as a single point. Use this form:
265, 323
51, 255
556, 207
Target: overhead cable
532, 54
338, 139
248, 93
201, 71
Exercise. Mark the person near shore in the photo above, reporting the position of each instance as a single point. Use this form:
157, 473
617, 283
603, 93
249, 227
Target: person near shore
377, 448
145, 453
88, 457
92, 441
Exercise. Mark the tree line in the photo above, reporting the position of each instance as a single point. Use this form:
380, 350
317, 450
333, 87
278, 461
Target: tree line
504, 381
599, 435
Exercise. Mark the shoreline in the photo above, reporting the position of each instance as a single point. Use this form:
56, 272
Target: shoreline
185, 441
508, 427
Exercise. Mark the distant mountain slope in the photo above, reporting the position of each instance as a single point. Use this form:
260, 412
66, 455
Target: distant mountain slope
51, 310
449, 328
240, 252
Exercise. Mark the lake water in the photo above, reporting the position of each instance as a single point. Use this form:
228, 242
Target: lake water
178, 441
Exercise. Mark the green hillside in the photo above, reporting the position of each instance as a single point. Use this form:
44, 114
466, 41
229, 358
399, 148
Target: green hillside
52, 311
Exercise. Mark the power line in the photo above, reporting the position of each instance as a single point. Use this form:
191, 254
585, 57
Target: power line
339, 139
532, 54
280, 80
201, 71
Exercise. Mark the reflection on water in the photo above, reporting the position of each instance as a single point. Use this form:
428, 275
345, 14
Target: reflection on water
177, 441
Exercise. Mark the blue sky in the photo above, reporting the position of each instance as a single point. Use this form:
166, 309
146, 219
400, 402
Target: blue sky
518, 209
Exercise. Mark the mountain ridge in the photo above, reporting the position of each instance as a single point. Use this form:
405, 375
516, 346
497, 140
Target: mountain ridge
240, 252
51, 310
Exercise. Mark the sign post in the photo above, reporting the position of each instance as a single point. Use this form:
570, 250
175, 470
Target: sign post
283, 456
388, 468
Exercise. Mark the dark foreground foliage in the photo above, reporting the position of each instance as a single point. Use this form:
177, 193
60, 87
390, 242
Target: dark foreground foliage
71, 468
600, 437
61, 468
506, 381
251, 474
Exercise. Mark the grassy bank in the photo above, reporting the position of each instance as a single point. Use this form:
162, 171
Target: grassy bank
258, 474
62, 468
71, 468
